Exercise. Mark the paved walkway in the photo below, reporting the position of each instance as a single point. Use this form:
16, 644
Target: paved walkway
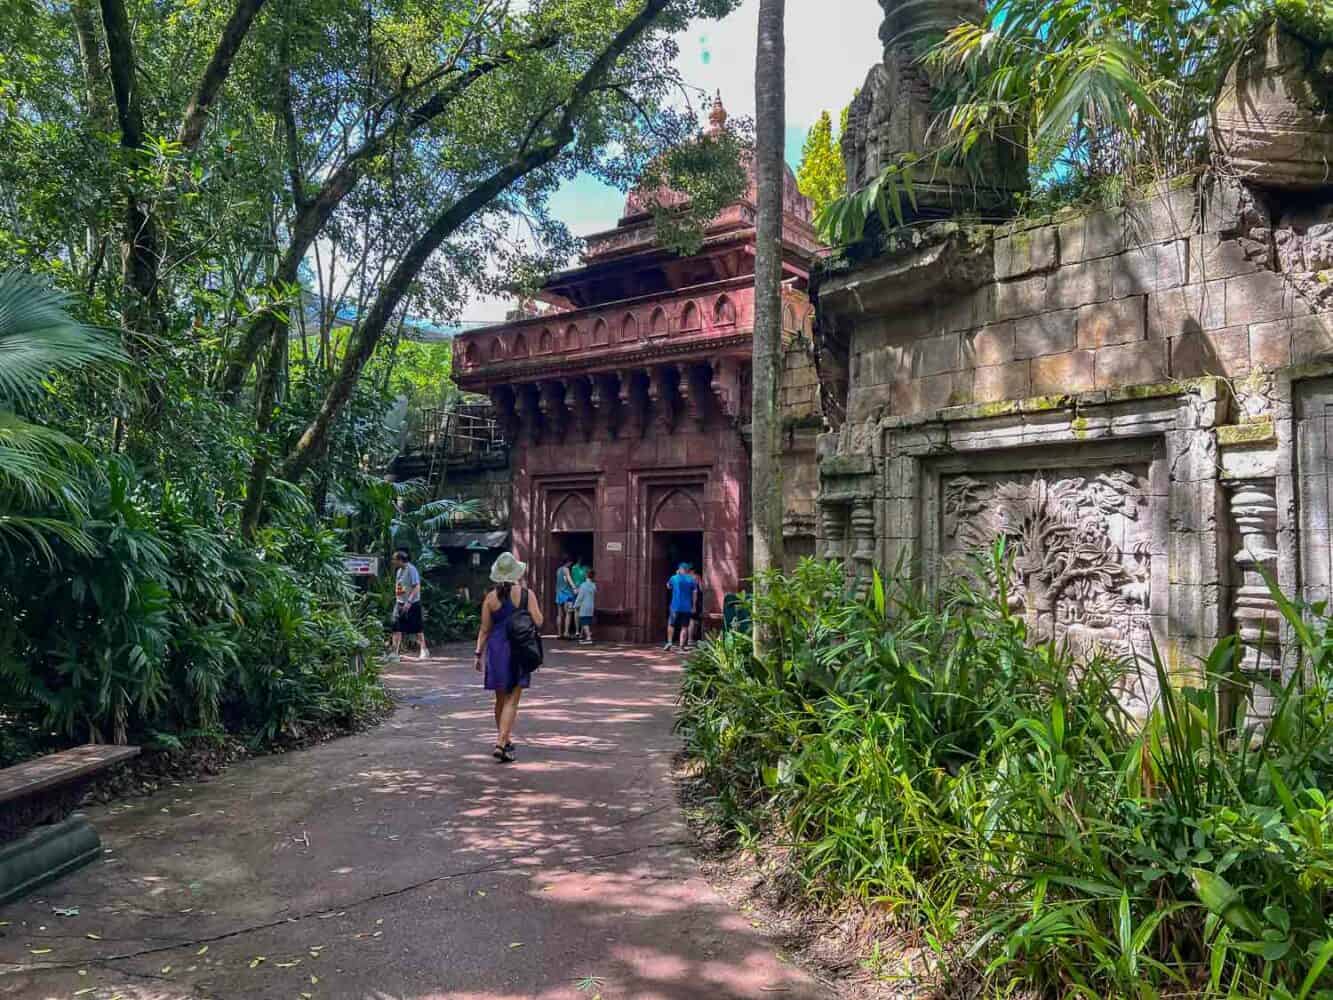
405, 863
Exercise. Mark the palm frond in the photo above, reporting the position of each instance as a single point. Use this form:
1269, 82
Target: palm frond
38, 336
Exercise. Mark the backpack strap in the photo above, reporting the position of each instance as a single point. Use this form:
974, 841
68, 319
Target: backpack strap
523, 599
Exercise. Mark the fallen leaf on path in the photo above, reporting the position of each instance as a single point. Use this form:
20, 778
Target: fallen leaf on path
516, 944
85, 991
314, 980
93, 937
202, 951
40, 951
257, 961
166, 969
379, 921
65, 911
289, 965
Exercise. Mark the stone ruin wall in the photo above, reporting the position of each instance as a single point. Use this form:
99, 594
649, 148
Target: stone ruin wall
1134, 399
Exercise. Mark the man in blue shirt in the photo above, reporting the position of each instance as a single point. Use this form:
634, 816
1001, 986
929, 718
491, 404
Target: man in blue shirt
683, 587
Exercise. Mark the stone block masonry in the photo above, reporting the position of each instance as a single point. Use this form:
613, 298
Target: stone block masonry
1108, 363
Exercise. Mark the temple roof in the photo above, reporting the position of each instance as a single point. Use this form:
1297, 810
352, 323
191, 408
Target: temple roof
639, 203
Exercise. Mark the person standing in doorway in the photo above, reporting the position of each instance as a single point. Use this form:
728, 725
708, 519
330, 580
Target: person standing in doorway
683, 588
578, 572
407, 604
493, 654
697, 615
585, 604
564, 600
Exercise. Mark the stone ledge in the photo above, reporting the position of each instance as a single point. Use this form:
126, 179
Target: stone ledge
1232, 435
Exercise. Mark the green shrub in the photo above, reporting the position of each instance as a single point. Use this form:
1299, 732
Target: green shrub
168, 625
923, 755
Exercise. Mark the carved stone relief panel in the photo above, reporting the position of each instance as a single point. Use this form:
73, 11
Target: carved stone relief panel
1082, 547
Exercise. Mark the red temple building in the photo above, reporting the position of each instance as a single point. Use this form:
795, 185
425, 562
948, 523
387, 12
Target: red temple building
626, 407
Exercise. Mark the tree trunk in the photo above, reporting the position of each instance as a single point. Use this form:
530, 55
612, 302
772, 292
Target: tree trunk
766, 503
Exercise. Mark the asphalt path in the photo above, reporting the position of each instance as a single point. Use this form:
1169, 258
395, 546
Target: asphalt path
405, 863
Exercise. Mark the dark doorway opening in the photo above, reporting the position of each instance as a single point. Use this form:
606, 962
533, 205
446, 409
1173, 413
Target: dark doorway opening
670, 549
575, 544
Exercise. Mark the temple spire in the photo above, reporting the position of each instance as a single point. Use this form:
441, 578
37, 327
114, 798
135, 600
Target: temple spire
718, 116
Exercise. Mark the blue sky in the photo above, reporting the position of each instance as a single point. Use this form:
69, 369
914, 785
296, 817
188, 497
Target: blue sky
831, 45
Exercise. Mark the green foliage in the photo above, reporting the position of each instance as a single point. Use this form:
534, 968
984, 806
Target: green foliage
1312, 19
1100, 96
167, 626
822, 175
39, 465
923, 755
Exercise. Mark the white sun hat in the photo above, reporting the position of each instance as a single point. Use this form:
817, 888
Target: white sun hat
507, 569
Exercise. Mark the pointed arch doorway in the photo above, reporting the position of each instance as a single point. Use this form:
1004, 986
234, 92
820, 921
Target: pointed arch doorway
573, 531
677, 536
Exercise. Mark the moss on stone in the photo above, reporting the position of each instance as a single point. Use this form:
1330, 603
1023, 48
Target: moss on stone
1079, 428
1238, 434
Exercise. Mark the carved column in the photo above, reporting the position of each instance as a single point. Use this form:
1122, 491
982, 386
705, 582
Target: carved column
1258, 622
833, 515
863, 543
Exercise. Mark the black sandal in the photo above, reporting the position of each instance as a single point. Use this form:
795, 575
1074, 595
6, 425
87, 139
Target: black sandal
502, 755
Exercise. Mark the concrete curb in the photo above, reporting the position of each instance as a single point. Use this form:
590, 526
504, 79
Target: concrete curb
45, 854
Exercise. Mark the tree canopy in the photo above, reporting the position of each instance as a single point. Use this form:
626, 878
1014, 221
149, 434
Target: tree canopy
822, 175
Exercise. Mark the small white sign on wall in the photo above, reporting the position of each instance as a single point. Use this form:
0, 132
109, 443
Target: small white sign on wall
614, 546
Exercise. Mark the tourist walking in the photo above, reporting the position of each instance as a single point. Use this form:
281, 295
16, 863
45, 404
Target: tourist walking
494, 654
585, 604
683, 587
564, 599
407, 604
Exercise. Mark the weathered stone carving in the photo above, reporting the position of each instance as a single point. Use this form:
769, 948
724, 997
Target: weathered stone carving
1081, 552
892, 116
1273, 118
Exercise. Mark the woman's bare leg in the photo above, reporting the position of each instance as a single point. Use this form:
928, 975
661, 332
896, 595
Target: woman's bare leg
509, 715
499, 711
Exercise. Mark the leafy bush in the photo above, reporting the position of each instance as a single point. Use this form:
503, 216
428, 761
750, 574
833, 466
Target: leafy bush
167, 625
924, 756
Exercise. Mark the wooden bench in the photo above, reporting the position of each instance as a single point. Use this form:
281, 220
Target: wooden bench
56, 769
37, 796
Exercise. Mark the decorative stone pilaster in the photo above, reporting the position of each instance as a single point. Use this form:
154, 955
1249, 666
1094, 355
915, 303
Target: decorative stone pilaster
1258, 622
863, 543
692, 390
833, 523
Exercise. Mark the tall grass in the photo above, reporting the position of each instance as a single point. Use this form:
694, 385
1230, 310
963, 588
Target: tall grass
997, 797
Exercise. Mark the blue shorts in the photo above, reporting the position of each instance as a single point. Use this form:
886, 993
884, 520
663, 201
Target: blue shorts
585, 619
564, 597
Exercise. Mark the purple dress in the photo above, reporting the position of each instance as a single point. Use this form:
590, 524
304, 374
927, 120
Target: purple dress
501, 674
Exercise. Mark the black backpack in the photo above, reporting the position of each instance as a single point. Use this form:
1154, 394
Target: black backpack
525, 639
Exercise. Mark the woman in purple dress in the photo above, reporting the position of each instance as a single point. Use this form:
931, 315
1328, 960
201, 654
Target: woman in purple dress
501, 674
